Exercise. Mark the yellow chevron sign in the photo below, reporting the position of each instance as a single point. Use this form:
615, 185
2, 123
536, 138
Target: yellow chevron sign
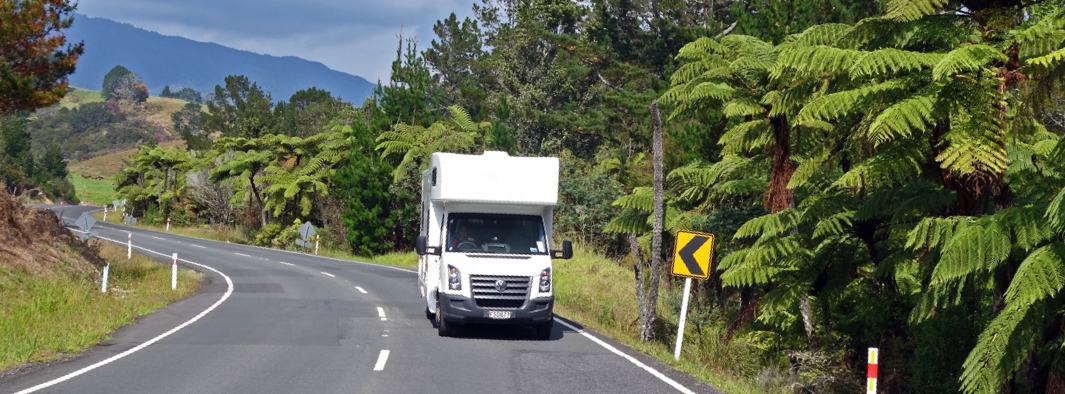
692, 254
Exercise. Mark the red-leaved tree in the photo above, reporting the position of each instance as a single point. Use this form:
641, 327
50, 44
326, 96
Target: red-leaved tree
35, 58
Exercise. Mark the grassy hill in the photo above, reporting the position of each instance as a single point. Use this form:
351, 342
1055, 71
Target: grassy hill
85, 126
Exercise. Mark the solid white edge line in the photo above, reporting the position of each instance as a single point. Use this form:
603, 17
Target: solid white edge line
79, 372
614, 350
360, 289
326, 273
381, 360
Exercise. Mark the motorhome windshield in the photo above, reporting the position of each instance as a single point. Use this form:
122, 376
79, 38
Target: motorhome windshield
487, 233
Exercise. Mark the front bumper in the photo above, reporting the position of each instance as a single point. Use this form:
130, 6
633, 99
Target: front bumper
459, 309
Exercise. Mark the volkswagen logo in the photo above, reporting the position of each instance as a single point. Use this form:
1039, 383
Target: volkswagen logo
501, 285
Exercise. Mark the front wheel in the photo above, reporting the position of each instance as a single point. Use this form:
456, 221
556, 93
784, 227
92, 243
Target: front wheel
442, 328
429, 315
543, 331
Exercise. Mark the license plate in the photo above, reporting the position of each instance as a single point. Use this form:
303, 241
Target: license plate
500, 314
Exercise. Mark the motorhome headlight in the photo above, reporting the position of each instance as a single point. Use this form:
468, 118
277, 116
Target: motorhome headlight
545, 280
454, 278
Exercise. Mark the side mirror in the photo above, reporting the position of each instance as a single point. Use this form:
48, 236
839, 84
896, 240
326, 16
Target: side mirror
566, 253
421, 249
419, 245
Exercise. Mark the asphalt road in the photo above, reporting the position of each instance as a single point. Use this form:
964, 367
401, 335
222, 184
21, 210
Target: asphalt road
270, 321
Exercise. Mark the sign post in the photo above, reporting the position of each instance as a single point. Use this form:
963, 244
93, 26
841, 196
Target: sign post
106, 268
692, 254
173, 273
870, 385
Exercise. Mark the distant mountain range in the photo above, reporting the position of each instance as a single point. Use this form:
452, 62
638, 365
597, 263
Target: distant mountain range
166, 60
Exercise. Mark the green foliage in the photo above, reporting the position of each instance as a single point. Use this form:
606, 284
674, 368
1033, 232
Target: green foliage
110, 83
363, 184
240, 109
187, 94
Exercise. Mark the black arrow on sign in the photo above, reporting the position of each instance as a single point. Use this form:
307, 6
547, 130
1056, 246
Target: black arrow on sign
687, 255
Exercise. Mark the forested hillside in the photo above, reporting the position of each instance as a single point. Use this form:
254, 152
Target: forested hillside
877, 174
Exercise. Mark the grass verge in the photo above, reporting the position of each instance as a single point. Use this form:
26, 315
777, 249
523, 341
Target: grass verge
43, 318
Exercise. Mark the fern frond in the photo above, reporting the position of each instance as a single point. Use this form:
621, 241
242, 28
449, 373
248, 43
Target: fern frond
769, 225
910, 10
1001, 348
823, 34
818, 60
933, 232
835, 105
641, 199
975, 249
700, 48
1050, 60
896, 162
742, 107
1040, 276
629, 223
833, 225
904, 119
966, 59
891, 61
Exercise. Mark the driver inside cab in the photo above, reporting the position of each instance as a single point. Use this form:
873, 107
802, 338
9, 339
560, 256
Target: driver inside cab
463, 237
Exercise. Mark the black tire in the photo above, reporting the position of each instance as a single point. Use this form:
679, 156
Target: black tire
429, 315
442, 327
543, 331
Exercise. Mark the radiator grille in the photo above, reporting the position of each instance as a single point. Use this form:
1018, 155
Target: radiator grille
487, 294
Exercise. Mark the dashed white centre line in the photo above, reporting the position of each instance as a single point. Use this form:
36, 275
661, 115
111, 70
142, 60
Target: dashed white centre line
242, 254
156, 237
381, 360
282, 262
360, 290
198, 246
381, 312
328, 274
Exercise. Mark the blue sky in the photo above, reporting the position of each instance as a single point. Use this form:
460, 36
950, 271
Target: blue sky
354, 36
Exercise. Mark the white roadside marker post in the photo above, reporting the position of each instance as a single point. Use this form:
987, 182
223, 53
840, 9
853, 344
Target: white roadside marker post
168, 225
683, 317
104, 288
316, 237
173, 274
129, 246
105, 213
870, 386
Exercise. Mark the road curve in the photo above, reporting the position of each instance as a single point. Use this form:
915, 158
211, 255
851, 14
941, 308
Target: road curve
307, 324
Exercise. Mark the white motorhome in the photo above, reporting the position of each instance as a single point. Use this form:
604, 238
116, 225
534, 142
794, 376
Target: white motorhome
485, 240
